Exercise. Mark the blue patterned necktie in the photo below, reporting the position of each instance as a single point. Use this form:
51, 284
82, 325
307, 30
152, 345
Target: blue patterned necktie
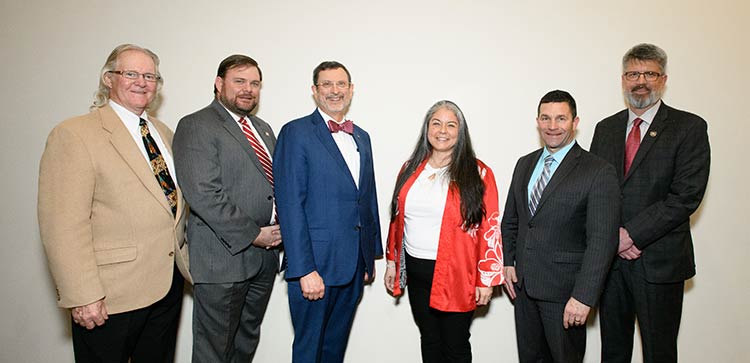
159, 167
541, 183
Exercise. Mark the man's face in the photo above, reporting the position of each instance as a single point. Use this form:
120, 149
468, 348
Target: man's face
333, 93
239, 90
133, 94
556, 125
641, 93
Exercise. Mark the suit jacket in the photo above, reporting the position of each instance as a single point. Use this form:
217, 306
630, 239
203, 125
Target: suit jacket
104, 220
230, 197
664, 186
565, 250
326, 221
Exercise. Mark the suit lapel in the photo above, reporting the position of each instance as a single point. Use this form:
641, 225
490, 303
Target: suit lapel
130, 152
531, 164
658, 125
231, 126
568, 164
618, 137
362, 148
324, 135
166, 136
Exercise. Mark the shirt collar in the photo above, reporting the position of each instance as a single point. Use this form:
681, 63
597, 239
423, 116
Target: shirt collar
126, 115
559, 155
327, 117
647, 117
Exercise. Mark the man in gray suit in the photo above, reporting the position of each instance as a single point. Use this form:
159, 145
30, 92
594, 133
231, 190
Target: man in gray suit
222, 159
559, 236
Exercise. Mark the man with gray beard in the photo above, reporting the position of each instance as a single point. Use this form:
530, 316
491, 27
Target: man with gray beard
662, 156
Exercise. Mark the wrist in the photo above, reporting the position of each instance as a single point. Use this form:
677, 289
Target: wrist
390, 264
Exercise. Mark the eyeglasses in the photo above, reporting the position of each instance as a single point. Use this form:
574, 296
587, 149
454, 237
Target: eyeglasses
329, 84
148, 77
633, 76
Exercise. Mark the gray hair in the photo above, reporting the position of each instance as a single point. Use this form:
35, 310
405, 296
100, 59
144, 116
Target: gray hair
101, 97
646, 52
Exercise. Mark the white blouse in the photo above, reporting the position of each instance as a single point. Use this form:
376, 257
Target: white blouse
423, 212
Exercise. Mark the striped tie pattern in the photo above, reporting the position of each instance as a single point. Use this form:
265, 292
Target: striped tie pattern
541, 183
265, 160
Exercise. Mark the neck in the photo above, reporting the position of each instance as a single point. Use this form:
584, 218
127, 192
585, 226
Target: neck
439, 159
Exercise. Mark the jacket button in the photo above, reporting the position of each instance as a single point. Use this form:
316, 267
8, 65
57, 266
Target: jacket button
171, 253
357, 228
270, 197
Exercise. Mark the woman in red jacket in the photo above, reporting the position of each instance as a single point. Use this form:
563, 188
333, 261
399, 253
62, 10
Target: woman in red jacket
445, 235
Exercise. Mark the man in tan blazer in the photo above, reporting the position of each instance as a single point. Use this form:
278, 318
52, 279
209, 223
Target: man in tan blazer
112, 219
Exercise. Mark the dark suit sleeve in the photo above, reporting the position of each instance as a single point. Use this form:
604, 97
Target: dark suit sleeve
691, 168
375, 213
509, 224
602, 232
196, 159
290, 173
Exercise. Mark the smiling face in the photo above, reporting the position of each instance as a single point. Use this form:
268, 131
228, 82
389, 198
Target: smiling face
442, 130
556, 124
239, 89
642, 94
331, 98
133, 94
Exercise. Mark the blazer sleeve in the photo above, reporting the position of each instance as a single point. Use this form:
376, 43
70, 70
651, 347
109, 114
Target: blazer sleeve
509, 224
686, 190
602, 235
67, 180
196, 158
490, 242
290, 173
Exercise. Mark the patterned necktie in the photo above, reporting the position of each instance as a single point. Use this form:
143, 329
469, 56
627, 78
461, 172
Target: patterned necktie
159, 167
541, 183
265, 160
260, 152
346, 126
632, 144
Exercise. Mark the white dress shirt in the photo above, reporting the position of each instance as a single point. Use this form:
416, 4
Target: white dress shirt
347, 147
132, 123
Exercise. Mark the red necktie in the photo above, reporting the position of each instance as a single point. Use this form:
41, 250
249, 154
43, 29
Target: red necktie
632, 144
346, 126
265, 161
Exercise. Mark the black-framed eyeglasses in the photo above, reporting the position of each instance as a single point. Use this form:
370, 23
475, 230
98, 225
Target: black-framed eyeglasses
329, 84
649, 76
148, 77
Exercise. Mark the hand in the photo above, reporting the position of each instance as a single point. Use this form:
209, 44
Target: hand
269, 237
510, 279
91, 315
482, 295
625, 240
312, 286
575, 313
390, 276
632, 253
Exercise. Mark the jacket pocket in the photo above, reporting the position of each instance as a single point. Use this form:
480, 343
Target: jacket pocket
115, 255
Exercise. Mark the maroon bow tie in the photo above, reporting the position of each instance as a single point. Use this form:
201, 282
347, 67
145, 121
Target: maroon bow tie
346, 126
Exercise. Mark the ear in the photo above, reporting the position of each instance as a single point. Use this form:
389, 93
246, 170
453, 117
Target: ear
107, 79
219, 83
314, 89
575, 123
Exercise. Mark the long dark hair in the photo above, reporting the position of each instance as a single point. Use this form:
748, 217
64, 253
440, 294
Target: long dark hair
463, 171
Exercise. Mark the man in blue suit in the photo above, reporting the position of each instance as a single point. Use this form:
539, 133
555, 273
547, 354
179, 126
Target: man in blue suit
327, 204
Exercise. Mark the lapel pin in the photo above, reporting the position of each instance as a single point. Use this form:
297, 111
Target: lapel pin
652, 134
267, 133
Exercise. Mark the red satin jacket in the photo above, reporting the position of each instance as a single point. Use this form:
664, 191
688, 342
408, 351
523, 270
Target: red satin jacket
465, 259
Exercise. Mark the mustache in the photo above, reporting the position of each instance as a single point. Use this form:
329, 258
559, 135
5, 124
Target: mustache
640, 87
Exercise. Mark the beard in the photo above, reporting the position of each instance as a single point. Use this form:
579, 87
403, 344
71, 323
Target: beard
642, 101
236, 107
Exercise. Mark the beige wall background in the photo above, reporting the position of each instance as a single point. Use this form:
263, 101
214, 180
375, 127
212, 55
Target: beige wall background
494, 58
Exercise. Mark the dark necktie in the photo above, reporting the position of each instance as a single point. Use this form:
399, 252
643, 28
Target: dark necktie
159, 167
541, 183
346, 126
632, 144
